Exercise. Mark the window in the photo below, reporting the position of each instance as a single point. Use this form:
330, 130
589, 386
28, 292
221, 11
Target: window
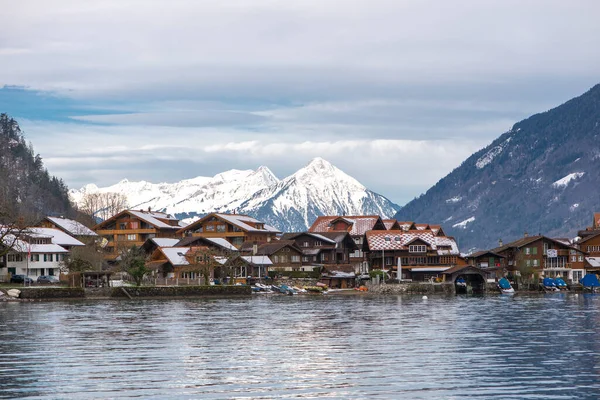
545, 248
573, 258
237, 241
388, 260
527, 251
132, 237
283, 259
580, 258
122, 226
35, 257
318, 243
577, 275
535, 263
305, 258
210, 228
528, 263
417, 248
200, 229
295, 259
134, 224
15, 257
534, 250
221, 228
305, 244
120, 237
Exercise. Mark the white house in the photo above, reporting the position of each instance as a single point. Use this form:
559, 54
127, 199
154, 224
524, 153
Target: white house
36, 252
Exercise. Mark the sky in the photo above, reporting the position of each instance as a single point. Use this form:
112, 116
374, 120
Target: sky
395, 93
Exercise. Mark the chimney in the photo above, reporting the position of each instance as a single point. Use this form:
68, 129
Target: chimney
525, 234
500, 244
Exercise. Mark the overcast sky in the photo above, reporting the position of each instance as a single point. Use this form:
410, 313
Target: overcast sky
395, 93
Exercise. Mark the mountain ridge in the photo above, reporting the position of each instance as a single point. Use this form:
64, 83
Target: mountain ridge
290, 204
541, 176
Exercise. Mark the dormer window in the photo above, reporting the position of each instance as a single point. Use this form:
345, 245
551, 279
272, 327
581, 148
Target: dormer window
417, 248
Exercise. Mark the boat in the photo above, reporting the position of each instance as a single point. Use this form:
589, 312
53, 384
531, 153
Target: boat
590, 282
505, 286
285, 289
461, 282
561, 284
549, 285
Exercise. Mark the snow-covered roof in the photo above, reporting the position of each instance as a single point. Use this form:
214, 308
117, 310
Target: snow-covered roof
165, 242
244, 222
593, 261
57, 236
72, 227
20, 246
258, 260
176, 255
427, 269
152, 219
399, 240
223, 243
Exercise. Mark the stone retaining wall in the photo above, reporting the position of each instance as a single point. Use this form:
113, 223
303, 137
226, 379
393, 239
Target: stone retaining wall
180, 291
51, 293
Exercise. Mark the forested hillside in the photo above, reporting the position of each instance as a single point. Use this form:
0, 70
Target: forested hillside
542, 176
27, 190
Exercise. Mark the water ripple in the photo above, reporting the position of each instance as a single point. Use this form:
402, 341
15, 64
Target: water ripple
537, 347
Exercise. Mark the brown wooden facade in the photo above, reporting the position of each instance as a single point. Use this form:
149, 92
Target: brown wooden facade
235, 228
132, 228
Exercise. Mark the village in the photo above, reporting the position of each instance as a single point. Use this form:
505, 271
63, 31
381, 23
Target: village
341, 252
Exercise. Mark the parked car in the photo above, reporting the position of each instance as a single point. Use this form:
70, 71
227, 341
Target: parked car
20, 279
47, 279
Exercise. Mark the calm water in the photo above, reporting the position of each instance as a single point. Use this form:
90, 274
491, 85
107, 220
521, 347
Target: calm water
304, 347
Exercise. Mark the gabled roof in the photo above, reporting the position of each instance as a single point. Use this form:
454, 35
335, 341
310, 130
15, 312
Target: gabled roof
21, 246
175, 255
400, 240
422, 227
524, 241
407, 225
391, 224
483, 253
276, 245
243, 222
71, 227
150, 217
214, 242
57, 236
360, 224
318, 236
257, 260
164, 242
585, 239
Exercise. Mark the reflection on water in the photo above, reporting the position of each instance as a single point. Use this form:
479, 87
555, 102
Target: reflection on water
304, 347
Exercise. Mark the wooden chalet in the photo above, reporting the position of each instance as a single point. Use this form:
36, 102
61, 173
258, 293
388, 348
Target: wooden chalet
338, 276
283, 255
235, 228
357, 226
589, 242
133, 227
323, 248
423, 254
70, 227
493, 263
543, 255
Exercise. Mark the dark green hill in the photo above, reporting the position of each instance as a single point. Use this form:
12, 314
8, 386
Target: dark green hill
542, 176
26, 188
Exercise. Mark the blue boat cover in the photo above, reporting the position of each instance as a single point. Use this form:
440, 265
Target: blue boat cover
549, 282
460, 280
560, 282
504, 283
590, 280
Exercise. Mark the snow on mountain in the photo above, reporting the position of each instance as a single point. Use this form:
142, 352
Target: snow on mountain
291, 204
564, 182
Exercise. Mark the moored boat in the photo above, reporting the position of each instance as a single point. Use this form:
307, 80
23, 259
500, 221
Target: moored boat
561, 284
549, 285
590, 282
505, 286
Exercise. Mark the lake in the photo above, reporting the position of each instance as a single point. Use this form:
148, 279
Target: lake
339, 346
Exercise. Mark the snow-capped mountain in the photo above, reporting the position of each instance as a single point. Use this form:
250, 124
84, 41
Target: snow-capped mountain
290, 204
542, 176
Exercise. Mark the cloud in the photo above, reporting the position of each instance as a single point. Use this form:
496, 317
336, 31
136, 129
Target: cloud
394, 92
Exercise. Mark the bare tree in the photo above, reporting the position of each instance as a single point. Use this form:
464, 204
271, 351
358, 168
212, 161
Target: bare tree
103, 205
83, 258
